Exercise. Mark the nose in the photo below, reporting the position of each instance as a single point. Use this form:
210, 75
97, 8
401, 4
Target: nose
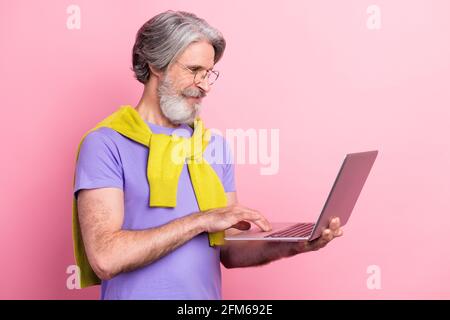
204, 85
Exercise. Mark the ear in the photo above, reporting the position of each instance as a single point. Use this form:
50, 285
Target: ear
156, 72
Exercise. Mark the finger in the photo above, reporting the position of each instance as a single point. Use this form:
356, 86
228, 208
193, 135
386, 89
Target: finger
242, 225
339, 232
263, 224
327, 235
335, 224
256, 218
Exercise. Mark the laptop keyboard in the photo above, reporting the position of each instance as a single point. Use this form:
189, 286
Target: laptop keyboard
301, 230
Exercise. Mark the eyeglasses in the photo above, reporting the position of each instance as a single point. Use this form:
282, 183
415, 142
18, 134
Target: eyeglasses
200, 75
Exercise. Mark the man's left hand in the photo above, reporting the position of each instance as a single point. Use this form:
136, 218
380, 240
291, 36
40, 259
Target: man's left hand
334, 230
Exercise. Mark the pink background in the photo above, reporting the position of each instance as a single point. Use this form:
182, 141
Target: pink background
309, 68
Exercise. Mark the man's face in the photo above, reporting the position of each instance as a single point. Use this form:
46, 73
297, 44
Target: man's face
180, 97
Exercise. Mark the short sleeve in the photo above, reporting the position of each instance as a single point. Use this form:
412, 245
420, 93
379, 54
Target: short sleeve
99, 164
224, 157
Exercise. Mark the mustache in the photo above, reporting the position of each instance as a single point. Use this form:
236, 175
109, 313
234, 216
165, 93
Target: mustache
195, 93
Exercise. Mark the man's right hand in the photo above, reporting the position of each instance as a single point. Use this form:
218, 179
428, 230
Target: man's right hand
233, 216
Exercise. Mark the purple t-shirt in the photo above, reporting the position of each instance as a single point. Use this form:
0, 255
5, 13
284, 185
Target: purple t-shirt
192, 271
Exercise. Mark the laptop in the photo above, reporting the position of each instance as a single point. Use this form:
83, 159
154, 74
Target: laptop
340, 203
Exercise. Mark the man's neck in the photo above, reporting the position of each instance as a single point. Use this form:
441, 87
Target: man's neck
149, 108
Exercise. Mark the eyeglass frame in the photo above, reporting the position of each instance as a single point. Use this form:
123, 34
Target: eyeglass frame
208, 72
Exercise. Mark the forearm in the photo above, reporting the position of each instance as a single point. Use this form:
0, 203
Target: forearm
127, 250
239, 254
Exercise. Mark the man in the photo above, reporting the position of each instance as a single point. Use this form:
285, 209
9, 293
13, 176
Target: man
161, 252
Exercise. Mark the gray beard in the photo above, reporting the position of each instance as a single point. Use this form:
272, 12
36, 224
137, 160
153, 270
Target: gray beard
174, 106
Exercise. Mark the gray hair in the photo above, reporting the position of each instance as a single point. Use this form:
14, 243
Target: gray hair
164, 37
